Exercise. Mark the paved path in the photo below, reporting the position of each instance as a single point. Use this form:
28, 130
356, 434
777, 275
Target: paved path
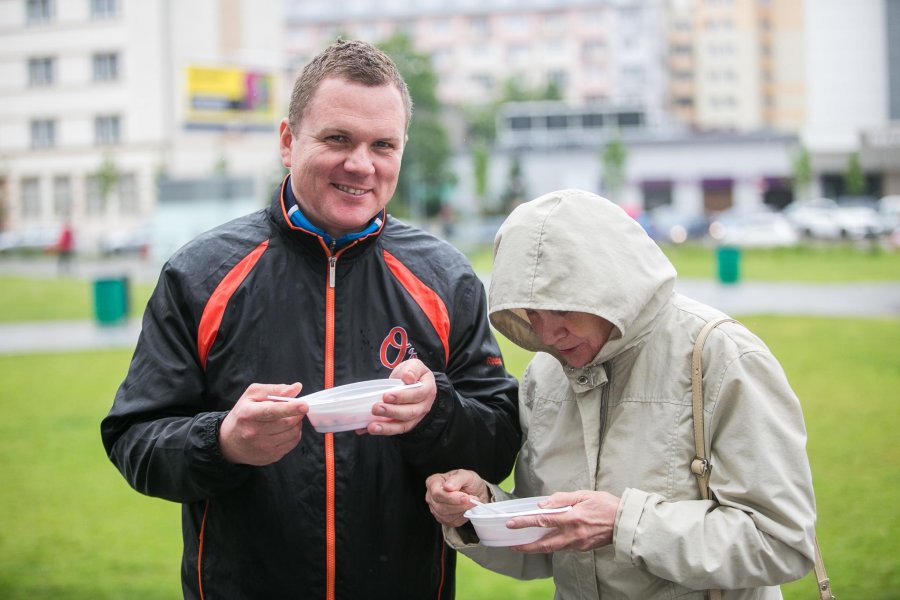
866, 300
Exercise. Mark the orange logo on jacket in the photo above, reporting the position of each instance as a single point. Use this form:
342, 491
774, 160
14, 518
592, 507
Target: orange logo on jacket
396, 348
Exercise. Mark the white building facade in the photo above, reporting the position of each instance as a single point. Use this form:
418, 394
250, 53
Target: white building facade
102, 99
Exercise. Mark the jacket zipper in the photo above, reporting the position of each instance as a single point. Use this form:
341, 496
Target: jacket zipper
330, 534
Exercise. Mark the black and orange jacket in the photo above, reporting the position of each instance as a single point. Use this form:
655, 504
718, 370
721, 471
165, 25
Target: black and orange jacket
341, 516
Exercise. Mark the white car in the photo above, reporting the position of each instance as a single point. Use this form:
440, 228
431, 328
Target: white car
755, 229
816, 218
135, 241
26, 241
889, 209
823, 218
859, 222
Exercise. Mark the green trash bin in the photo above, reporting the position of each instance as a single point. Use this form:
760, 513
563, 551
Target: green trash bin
728, 259
111, 300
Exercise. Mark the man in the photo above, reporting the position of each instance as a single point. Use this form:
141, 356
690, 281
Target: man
323, 288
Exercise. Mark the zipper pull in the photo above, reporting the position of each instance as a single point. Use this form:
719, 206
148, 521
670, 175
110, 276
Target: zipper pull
332, 263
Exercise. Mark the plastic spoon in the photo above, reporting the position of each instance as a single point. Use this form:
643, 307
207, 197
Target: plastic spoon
486, 507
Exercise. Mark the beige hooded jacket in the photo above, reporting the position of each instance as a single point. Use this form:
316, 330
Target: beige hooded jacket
622, 423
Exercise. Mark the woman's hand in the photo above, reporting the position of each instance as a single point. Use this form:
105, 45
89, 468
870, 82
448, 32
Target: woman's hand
448, 494
588, 526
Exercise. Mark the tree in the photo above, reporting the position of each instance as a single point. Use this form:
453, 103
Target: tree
481, 131
107, 177
480, 169
613, 158
515, 191
425, 175
854, 178
803, 173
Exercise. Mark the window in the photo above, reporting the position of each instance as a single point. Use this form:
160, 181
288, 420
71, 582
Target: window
104, 9
558, 79
557, 122
62, 196
107, 130
520, 123
629, 119
484, 81
38, 11
593, 51
591, 120
40, 71
516, 23
95, 197
128, 195
518, 53
106, 66
656, 194
480, 26
31, 197
43, 133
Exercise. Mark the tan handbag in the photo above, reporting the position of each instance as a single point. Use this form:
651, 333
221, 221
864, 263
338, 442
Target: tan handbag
701, 467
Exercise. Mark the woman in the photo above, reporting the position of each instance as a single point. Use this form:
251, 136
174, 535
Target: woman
605, 408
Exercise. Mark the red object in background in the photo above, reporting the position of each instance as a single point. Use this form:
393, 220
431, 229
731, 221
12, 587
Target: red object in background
66, 241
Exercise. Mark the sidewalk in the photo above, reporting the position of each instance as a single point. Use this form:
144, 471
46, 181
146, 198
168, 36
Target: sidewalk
852, 300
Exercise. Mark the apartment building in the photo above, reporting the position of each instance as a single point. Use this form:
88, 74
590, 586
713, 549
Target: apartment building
737, 65
103, 100
592, 51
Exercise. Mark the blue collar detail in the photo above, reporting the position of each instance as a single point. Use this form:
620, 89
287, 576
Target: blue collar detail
297, 217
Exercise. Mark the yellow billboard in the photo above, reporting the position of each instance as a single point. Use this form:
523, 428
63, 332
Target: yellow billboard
228, 97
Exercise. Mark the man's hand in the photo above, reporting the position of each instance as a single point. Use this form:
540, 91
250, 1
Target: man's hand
448, 495
258, 431
405, 408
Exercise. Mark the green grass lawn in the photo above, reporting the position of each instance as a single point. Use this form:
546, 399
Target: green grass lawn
39, 299
813, 264
70, 527
28, 299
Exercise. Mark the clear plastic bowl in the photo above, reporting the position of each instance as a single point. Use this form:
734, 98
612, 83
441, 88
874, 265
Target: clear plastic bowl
491, 527
349, 407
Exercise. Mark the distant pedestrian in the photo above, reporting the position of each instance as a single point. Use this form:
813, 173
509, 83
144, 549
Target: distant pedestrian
65, 248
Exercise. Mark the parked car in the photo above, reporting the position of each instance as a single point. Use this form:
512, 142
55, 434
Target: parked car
889, 209
756, 228
859, 221
825, 218
28, 241
814, 218
670, 225
125, 242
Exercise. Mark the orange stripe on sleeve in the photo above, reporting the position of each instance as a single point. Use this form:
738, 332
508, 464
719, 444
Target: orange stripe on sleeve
215, 306
426, 298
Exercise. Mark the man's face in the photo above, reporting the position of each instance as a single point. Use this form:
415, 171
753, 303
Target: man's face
345, 156
577, 336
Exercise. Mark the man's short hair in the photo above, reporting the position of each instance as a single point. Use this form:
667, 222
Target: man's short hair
353, 60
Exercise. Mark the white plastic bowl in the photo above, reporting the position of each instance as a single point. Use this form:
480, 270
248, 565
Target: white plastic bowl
347, 407
491, 526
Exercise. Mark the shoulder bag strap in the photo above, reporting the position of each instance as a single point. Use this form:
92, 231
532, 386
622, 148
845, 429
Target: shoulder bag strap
701, 466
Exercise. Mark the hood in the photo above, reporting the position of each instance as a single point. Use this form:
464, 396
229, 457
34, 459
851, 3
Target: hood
575, 251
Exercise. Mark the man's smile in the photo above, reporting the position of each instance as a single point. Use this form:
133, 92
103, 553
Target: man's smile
350, 190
